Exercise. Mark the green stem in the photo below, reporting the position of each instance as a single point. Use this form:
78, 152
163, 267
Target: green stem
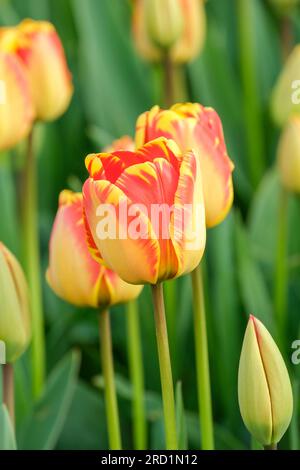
137, 376
165, 367
8, 391
253, 111
170, 291
29, 207
281, 271
169, 84
202, 362
112, 413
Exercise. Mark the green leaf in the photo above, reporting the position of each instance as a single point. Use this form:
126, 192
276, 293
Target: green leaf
7, 437
85, 426
42, 429
253, 288
181, 419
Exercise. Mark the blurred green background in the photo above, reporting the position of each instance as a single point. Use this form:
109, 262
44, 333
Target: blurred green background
113, 85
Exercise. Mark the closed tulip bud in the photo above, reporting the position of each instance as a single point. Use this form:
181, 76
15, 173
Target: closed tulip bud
285, 99
124, 143
194, 126
288, 155
265, 394
16, 109
178, 26
153, 225
43, 55
73, 274
15, 328
165, 21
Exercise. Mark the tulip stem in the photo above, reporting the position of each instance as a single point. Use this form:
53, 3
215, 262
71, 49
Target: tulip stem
135, 358
168, 80
281, 271
252, 107
112, 413
165, 367
8, 391
29, 208
202, 362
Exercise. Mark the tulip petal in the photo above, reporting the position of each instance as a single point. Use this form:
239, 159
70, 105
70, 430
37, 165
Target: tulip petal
72, 273
188, 223
117, 249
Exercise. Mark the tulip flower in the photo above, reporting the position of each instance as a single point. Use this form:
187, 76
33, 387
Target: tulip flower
288, 155
39, 47
136, 185
73, 274
194, 126
265, 393
285, 99
124, 143
16, 109
176, 26
15, 330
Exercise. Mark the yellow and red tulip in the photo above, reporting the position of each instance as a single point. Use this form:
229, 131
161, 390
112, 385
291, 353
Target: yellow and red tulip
288, 155
178, 26
154, 175
15, 322
16, 108
39, 47
73, 274
194, 126
265, 393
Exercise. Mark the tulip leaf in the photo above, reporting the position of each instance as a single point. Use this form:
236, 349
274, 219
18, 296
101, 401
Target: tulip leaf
253, 288
42, 429
86, 413
7, 438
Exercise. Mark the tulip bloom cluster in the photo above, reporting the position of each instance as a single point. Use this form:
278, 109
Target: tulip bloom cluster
36, 82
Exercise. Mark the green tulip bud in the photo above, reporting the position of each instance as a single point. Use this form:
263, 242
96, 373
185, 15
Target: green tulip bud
14, 307
264, 388
165, 21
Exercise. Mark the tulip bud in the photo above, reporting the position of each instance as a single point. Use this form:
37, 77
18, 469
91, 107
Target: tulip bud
16, 109
73, 274
285, 99
265, 393
43, 55
14, 315
288, 155
165, 22
178, 26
